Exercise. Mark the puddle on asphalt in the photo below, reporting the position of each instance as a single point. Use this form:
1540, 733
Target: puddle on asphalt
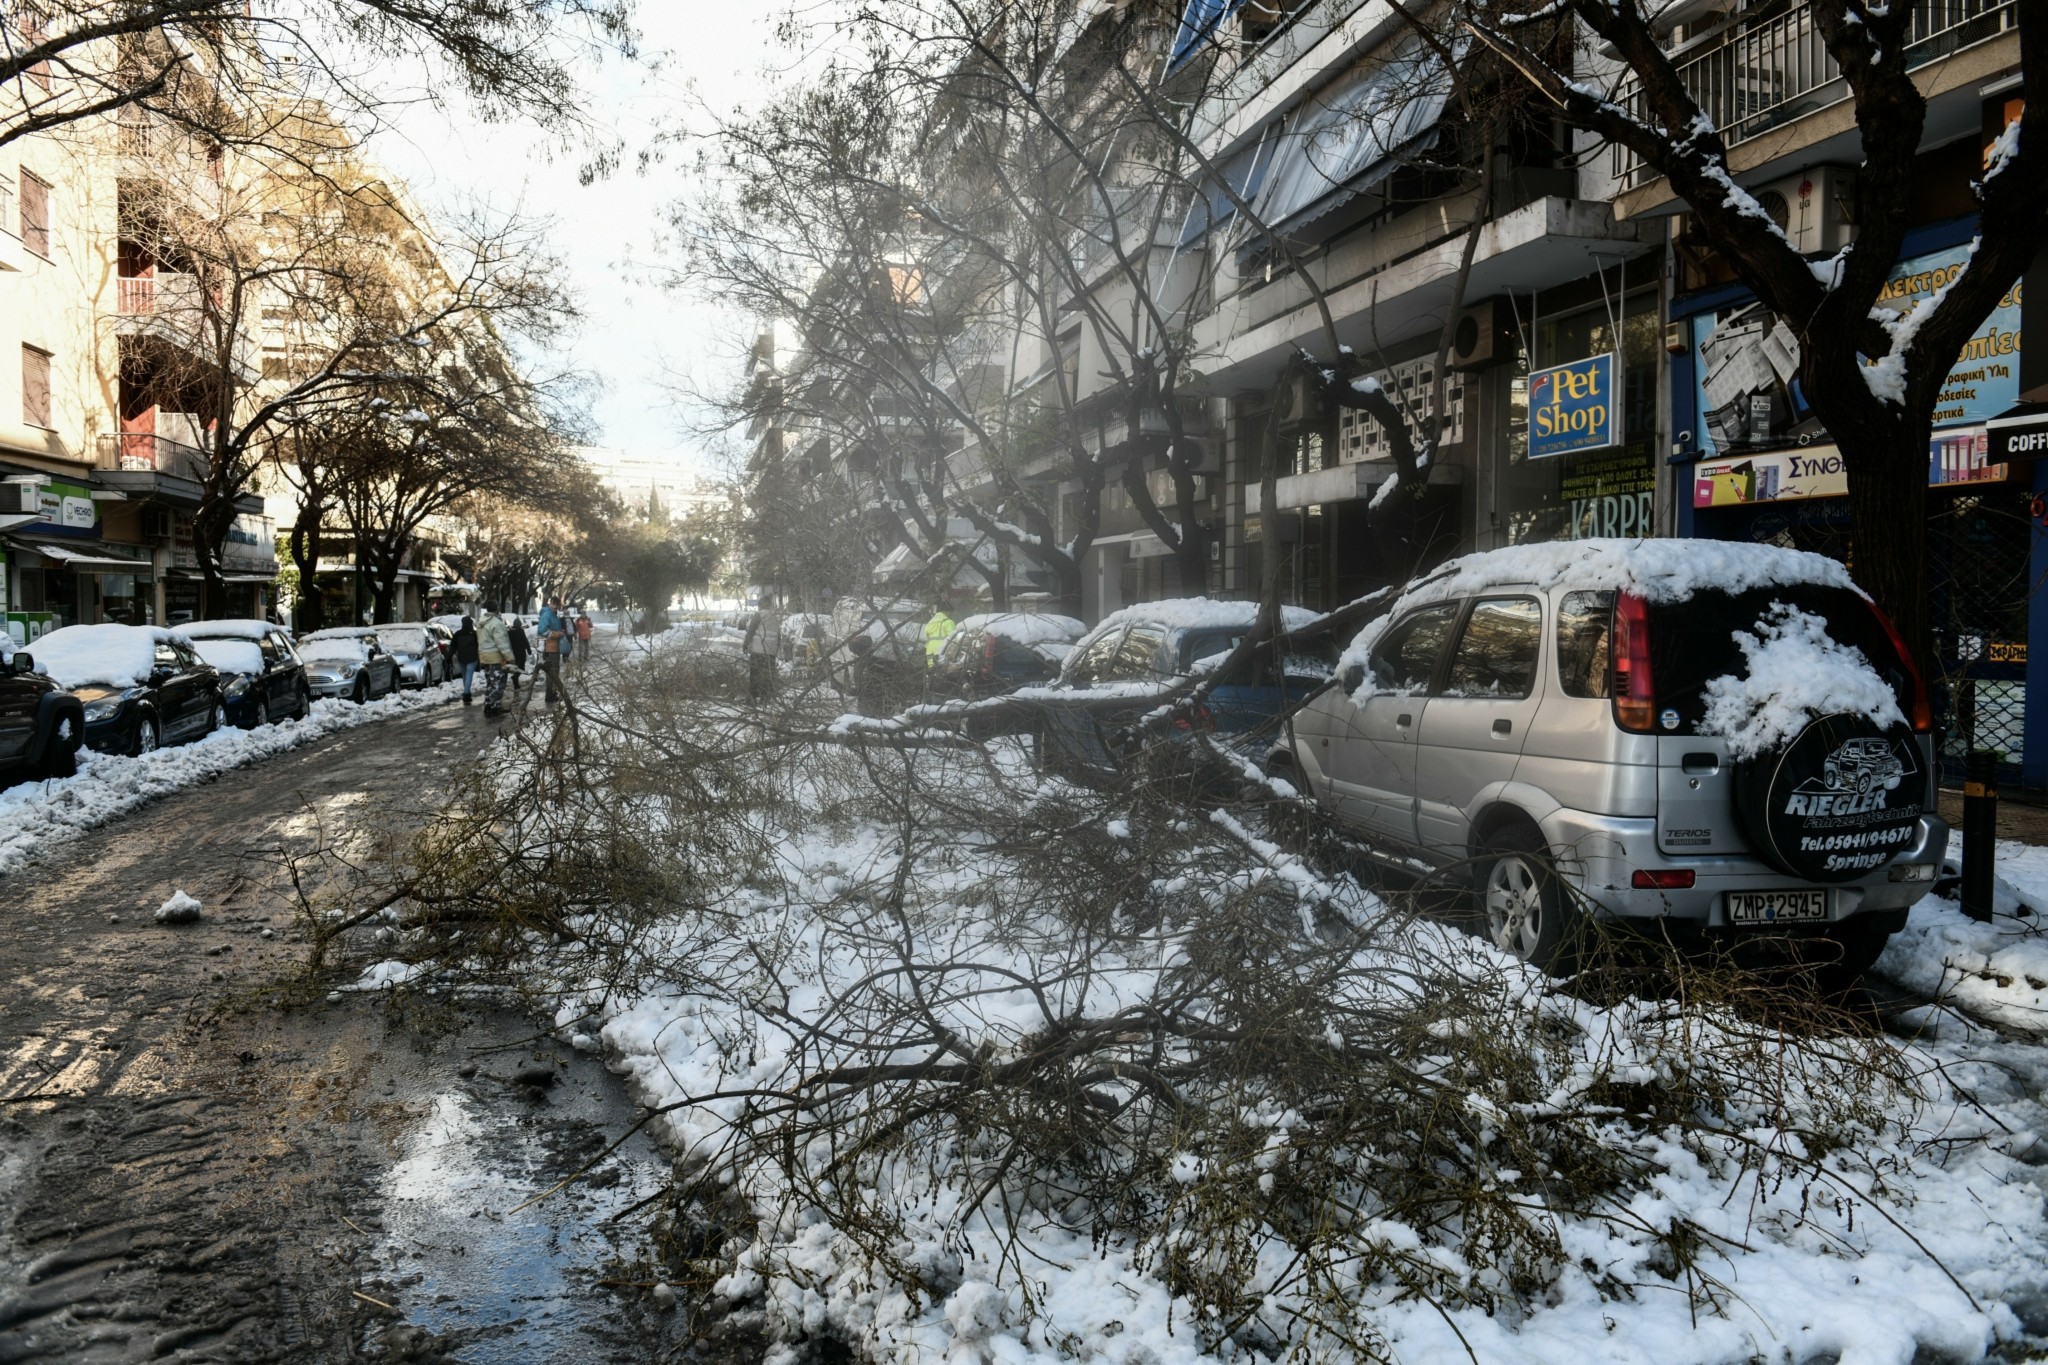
505, 1286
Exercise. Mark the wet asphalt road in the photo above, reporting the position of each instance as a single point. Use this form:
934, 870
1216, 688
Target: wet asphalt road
199, 1163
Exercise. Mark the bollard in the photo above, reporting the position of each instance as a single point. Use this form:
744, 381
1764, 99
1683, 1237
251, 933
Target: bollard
1980, 833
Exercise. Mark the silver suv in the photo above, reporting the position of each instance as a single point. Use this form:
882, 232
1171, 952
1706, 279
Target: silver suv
1729, 736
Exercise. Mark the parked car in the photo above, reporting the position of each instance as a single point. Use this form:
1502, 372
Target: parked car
141, 686
1155, 645
986, 655
262, 677
416, 646
41, 724
1577, 729
348, 661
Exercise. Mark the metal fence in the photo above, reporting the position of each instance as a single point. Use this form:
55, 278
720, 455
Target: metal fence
1978, 560
1761, 72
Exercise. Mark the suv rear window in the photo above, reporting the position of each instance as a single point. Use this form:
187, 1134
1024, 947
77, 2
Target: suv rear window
1693, 642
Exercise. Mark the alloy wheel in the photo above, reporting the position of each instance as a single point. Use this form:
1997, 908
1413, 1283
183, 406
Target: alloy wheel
262, 714
1514, 905
145, 735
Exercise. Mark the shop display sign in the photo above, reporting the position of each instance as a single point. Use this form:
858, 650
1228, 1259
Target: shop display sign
1574, 406
69, 509
1746, 366
1781, 476
1610, 496
1953, 457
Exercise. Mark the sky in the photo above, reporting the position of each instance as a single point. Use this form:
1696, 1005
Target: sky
643, 341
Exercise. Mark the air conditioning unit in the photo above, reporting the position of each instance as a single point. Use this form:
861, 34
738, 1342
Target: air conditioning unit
1816, 208
1484, 335
21, 498
156, 523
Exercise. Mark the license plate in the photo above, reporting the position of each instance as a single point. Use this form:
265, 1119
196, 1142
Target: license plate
1776, 907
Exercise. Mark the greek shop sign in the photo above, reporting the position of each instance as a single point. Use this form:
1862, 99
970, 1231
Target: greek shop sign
1986, 377
1572, 407
69, 510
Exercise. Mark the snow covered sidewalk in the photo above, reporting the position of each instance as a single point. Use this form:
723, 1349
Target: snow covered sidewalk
1996, 972
35, 815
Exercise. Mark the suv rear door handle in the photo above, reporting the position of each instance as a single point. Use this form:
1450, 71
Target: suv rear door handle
1404, 721
1503, 726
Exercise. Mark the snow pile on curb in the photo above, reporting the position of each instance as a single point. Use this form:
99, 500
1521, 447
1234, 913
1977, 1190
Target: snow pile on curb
1996, 971
34, 815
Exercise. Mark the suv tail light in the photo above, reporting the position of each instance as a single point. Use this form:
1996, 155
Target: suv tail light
988, 655
1635, 699
1923, 705
1197, 719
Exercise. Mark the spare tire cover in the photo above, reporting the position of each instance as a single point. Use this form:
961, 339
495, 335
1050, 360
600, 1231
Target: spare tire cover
1842, 799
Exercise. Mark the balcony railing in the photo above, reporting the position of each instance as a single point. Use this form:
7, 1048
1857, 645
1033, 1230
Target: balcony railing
146, 452
147, 295
1756, 75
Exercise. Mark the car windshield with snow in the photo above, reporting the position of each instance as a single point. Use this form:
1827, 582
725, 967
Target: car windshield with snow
1726, 738
262, 676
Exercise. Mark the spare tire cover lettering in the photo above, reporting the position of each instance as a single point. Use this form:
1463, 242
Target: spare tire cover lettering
1840, 801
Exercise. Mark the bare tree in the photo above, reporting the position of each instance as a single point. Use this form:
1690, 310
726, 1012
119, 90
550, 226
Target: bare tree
202, 64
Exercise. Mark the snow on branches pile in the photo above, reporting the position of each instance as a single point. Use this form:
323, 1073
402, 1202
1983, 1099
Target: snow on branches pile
992, 1067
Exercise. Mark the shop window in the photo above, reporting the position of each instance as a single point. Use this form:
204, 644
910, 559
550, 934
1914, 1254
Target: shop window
1605, 492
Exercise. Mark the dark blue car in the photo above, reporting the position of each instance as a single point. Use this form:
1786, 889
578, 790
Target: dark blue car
1142, 650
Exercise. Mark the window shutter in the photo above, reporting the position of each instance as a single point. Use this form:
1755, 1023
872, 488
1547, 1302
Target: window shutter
35, 387
35, 214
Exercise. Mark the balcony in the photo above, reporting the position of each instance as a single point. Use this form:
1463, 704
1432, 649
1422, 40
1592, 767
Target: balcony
171, 308
1752, 76
147, 452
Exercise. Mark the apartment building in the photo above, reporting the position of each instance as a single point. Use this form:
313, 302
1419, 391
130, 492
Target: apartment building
107, 379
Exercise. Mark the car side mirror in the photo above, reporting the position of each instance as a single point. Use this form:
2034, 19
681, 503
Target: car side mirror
1353, 679
24, 662
161, 673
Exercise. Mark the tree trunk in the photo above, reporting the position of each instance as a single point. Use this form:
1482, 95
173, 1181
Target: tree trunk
311, 611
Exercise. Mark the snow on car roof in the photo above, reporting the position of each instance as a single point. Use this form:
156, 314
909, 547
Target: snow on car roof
108, 654
1662, 571
1654, 570
228, 630
1027, 629
343, 633
1199, 613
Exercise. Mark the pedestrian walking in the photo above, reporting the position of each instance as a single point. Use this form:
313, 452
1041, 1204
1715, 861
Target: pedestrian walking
764, 643
494, 652
522, 649
583, 629
553, 630
467, 654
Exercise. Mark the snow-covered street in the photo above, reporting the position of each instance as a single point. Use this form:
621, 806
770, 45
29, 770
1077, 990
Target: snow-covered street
202, 1158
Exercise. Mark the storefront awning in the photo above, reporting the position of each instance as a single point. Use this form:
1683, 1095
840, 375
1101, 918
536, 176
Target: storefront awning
1198, 23
1350, 136
78, 561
